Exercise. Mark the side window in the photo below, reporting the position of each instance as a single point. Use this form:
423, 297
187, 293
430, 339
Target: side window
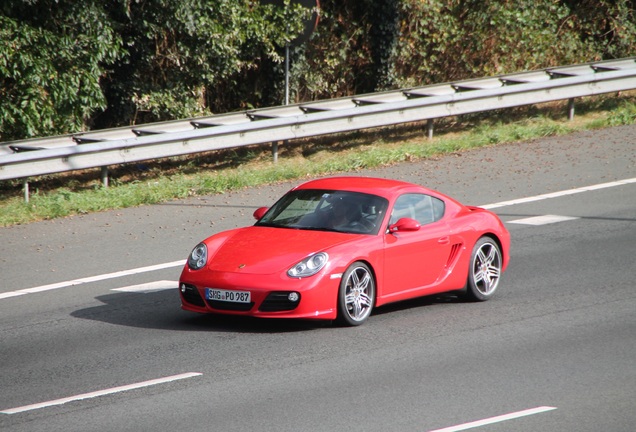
438, 209
423, 208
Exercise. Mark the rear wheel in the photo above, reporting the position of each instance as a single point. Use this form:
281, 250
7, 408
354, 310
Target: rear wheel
356, 296
484, 271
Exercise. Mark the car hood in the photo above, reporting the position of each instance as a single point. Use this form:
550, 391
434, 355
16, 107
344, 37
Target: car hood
264, 250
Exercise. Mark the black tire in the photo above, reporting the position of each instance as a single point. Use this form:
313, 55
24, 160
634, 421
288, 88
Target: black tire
484, 270
356, 296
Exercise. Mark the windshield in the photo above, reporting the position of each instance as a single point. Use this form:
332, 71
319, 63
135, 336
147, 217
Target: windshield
314, 209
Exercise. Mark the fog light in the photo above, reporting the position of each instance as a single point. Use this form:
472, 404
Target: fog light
293, 297
183, 288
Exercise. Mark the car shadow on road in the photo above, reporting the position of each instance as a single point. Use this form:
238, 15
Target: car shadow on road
418, 302
160, 310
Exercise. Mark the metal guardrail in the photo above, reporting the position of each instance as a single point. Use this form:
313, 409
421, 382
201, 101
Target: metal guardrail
27, 158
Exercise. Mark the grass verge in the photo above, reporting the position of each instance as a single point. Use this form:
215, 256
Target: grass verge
153, 182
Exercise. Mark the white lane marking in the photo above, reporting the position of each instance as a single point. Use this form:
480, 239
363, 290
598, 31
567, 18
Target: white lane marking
100, 393
542, 220
498, 419
560, 193
92, 279
180, 263
11, 294
149, 287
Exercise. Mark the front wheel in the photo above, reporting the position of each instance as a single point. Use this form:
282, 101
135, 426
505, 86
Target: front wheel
484, 271
356, 295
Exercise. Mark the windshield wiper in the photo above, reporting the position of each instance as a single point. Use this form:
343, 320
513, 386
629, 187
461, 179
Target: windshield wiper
270, 225
312, 228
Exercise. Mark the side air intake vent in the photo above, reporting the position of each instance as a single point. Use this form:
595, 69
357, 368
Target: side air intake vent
453, 255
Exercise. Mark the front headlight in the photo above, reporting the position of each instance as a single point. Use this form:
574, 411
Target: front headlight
309, 266
198, 257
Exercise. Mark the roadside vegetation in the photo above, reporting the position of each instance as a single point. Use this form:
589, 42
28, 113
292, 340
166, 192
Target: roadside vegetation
73, 66
85, 65
138, 184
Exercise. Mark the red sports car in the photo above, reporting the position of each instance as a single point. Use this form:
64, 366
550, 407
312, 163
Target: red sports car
336, 248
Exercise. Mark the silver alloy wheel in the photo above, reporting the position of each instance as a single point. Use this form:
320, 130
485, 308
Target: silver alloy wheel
486, 268
359, 293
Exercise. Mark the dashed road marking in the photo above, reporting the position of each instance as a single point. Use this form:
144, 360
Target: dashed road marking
498, 419
100, 393
149, 287
542, 220
559, 193
75, 282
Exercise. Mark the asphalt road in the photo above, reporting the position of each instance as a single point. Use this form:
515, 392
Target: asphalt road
555, 348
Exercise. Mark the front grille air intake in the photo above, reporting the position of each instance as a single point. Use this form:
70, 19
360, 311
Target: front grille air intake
277, 302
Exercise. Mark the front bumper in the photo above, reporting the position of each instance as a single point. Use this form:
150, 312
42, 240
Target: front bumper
269, 294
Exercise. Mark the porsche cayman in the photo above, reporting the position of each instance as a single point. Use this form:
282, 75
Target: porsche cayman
336, 248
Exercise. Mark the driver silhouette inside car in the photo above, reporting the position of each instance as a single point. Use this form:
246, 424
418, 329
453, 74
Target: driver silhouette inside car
345, 215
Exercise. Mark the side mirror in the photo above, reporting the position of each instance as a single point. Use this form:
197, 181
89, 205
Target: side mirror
405, 224
260, 212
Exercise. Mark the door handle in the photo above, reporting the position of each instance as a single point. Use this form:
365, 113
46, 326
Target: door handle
443, 240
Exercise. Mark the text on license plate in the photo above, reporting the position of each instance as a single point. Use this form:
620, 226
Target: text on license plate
228, 296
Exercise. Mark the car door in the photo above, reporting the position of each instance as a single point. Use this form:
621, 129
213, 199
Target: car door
416, 259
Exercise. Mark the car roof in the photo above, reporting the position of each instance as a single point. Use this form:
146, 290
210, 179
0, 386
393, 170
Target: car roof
370, 185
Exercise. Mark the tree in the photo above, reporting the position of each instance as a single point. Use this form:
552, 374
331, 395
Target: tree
52, 57
66, 66
72, 65
185, 57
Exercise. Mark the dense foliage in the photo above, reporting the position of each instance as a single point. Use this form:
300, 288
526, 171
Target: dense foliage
72, 65
52, 60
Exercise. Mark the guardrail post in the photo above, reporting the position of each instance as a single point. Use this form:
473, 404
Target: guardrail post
275, 151
25, 187
571, 109
105, 176
429, 128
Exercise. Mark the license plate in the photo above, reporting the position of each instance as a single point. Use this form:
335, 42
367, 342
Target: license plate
227, 295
